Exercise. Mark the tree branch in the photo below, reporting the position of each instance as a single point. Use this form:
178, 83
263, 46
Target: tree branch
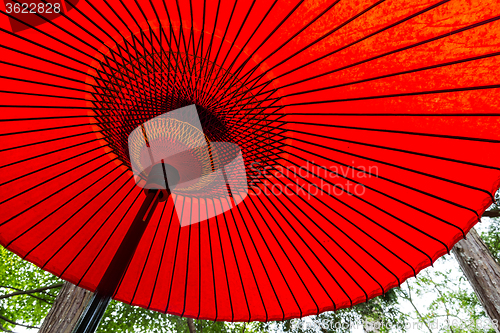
492, 213
410, 299
35, 296
495, 212
17, 324
27, 292
190, 323
3, 329
443, 300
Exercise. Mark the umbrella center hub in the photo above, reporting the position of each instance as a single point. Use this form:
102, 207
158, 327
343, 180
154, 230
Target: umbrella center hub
149, 86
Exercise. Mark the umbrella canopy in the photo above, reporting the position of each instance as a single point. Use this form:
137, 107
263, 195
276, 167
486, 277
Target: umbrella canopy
369, 132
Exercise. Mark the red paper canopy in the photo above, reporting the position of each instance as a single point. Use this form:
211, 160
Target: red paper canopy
369, 133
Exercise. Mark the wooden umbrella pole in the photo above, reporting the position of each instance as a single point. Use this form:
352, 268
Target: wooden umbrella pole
114, 273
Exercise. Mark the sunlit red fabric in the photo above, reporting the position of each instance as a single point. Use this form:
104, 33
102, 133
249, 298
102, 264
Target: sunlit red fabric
401, 96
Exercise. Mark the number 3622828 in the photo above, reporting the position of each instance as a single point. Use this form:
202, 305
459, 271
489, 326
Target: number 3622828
33, 8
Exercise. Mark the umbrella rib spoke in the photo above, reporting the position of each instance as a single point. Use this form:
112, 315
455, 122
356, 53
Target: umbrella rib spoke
408, 94
162, 253
107, 240
309, 204
398, 150
46, 181
147, 256
182, 42
451, 63
44, 168
465, 114
50, 179
355, 42
357, 211
45, 72
31, 158
182, 80
84, 224
212, 261
192, 69
296, 250
260, 258
208, 54
381, 177
256, 79
56, 139
48, 141
72, 215
64, 30
472, 26
394, 182
199, 51
40, 58
351, 83
389, 131
223, 260
221, 81
217, 87
48, 48
187, 266
382, 193
378, 176
248, 261
235, 258
253, 53
199, 250
42, 95
336, 243
351, 239
376, 207
187, 270
396, 166
175, 254
275, 261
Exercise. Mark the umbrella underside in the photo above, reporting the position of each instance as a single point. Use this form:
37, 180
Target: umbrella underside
369, 132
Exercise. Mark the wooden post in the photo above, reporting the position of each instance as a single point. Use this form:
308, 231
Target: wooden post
67, 309
482, 271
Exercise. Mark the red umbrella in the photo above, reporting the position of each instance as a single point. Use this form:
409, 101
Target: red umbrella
368, 131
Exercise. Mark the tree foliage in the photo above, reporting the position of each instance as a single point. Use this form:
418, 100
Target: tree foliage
27, 308
450, 304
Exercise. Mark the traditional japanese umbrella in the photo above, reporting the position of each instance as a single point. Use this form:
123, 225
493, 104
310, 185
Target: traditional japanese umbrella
368, 132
